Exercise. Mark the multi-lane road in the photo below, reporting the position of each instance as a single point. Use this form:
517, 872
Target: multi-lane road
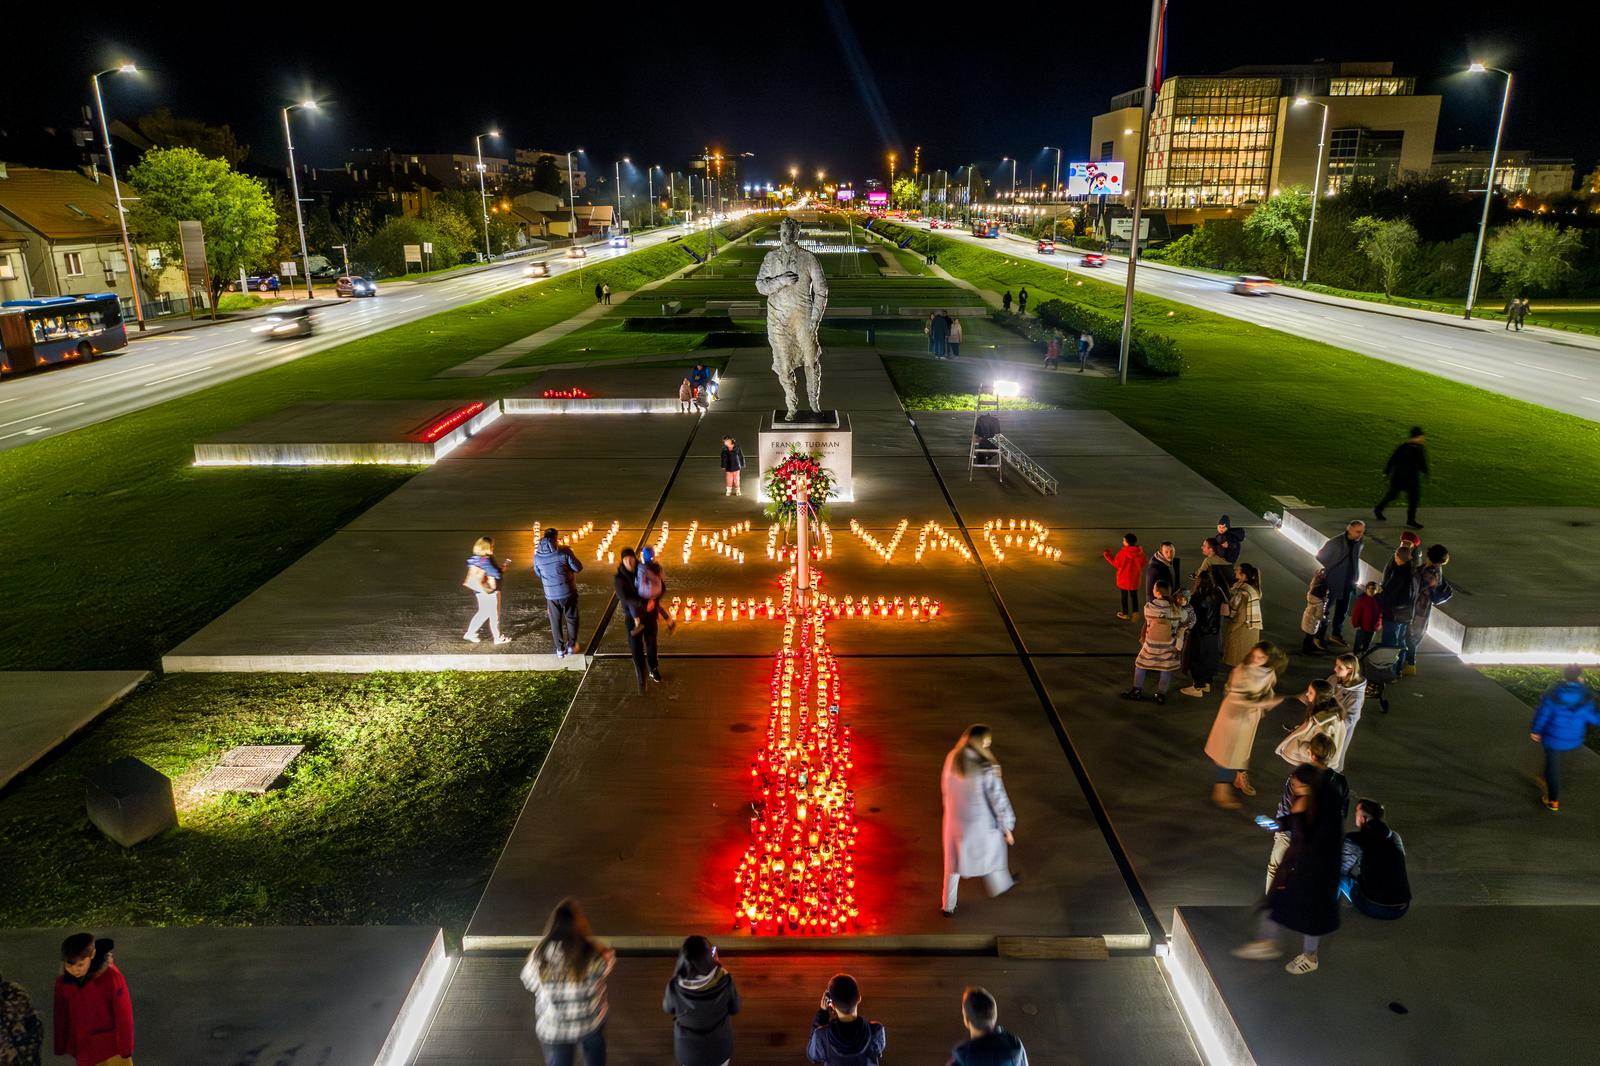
161, 366
1555, 370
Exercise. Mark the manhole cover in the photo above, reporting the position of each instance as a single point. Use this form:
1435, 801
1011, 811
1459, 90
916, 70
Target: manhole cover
252, 768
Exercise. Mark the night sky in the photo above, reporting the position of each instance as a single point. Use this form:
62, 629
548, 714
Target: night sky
834, 87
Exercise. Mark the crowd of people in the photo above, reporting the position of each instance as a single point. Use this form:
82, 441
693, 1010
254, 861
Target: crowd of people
568, 969
944, 332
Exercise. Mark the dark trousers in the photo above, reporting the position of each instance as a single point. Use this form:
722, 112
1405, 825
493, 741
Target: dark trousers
593, 1045
1130, 601
1333, 619
563, 622
1363, 642
1397, 635
1552, 773
1413, 494
642, 645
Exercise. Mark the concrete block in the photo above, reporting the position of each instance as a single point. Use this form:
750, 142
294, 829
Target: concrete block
130, 801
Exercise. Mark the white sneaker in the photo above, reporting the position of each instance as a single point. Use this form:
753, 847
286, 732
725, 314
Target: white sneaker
573, 650
1190, 690
727, 492
470, 638
738, 492
1301, 964
502, 640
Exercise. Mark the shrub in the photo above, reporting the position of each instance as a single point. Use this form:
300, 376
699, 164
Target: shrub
1154, 353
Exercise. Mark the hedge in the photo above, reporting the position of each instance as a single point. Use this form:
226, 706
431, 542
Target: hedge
1154, 353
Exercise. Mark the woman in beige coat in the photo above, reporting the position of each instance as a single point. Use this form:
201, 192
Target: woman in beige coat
1249, 695
1243, 612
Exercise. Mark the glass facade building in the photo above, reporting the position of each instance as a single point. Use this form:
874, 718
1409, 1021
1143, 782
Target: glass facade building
1211, 141
1361, 156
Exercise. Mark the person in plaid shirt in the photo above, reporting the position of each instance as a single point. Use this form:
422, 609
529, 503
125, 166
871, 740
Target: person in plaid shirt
567, 973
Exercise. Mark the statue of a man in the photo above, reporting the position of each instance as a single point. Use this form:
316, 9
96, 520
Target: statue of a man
797, 294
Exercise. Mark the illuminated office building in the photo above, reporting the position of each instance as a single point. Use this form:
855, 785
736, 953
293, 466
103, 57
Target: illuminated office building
1224, 141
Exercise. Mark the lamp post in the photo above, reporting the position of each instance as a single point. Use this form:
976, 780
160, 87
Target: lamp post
1152, 57
116, 188
572, 206
969, 193
1053, 190
618, 168
483, 195
1316, 181
1488, 190
650, 187
294, 185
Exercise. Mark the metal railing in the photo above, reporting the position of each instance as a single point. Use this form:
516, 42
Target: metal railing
1031, 472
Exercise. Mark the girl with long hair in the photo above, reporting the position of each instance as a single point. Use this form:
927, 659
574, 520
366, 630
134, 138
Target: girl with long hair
566, 972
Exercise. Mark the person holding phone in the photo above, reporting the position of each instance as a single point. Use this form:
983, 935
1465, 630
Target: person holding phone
839, 1035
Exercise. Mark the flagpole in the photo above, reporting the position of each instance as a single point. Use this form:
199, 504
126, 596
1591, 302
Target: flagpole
1158, 15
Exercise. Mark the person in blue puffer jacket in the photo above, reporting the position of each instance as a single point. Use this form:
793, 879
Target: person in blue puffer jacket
1559, 724
558, 570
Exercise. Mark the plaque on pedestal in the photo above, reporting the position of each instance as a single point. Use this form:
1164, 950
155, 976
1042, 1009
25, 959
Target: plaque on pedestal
827, 433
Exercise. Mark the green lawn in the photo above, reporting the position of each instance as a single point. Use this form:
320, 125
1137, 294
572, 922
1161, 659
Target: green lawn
1261, 412
129, 548
394, 814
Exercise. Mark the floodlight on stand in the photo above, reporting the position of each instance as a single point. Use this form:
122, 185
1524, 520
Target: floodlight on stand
1008, 389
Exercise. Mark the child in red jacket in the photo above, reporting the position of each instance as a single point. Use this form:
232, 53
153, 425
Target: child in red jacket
1367, 616
1129, 562
93, 1015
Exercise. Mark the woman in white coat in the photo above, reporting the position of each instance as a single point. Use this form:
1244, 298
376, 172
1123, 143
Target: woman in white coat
978, 819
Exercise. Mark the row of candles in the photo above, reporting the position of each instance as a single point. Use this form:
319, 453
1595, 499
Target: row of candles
748, 608
798, 874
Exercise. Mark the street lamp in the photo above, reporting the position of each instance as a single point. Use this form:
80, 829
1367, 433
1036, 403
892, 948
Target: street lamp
116, 189
1054, 190
483, 195
572, 206
650, 187
294, 185
618, 168
1488, 190
1316, 182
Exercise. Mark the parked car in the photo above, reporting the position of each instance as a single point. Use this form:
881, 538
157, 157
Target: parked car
1252, 285
287, 324
1093, 259
324, 273
355, 285
1047, 246
256, 283
536, 270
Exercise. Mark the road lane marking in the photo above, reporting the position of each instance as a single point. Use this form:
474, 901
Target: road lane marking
1548, 370
41, 414
174, 377
33, 432
1472, 369
119, 373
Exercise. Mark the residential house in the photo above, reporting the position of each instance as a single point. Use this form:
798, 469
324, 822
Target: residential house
63, 226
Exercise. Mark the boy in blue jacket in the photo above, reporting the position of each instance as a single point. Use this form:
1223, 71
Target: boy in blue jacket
1562, 719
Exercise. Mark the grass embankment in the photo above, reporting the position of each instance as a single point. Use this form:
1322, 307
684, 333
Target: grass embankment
1260, 412
394, 813
121, 548
1528, 683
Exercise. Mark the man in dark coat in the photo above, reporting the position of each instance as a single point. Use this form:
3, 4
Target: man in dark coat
643, 622
1398, 598
1374, 866
1163, 566
1231, 539
988, 1043
1340, 559
1405, 468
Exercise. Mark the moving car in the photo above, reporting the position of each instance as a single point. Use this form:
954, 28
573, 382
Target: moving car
287, 324
1093, 259
576, 253
536, 270
1047, 246
355, 285
1252, 285
620, 240
257, 283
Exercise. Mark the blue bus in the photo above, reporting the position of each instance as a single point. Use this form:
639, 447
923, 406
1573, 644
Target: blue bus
59, 329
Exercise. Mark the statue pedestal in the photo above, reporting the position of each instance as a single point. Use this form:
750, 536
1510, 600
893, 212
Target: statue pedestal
827, 433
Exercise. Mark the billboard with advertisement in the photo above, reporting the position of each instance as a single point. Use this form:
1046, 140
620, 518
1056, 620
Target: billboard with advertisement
1122, 228
877, 197
845, 194
1094, 179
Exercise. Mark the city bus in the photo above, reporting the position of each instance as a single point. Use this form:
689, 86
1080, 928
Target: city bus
59, 329
986, 228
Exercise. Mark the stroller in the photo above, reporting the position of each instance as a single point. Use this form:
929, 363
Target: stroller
1381, 667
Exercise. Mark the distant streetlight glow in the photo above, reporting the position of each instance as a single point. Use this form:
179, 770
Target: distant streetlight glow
483, 195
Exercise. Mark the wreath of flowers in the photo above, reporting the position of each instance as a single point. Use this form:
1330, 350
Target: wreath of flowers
801, 473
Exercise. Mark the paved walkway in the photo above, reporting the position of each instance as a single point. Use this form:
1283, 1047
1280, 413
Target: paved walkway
488, 362
40, 709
